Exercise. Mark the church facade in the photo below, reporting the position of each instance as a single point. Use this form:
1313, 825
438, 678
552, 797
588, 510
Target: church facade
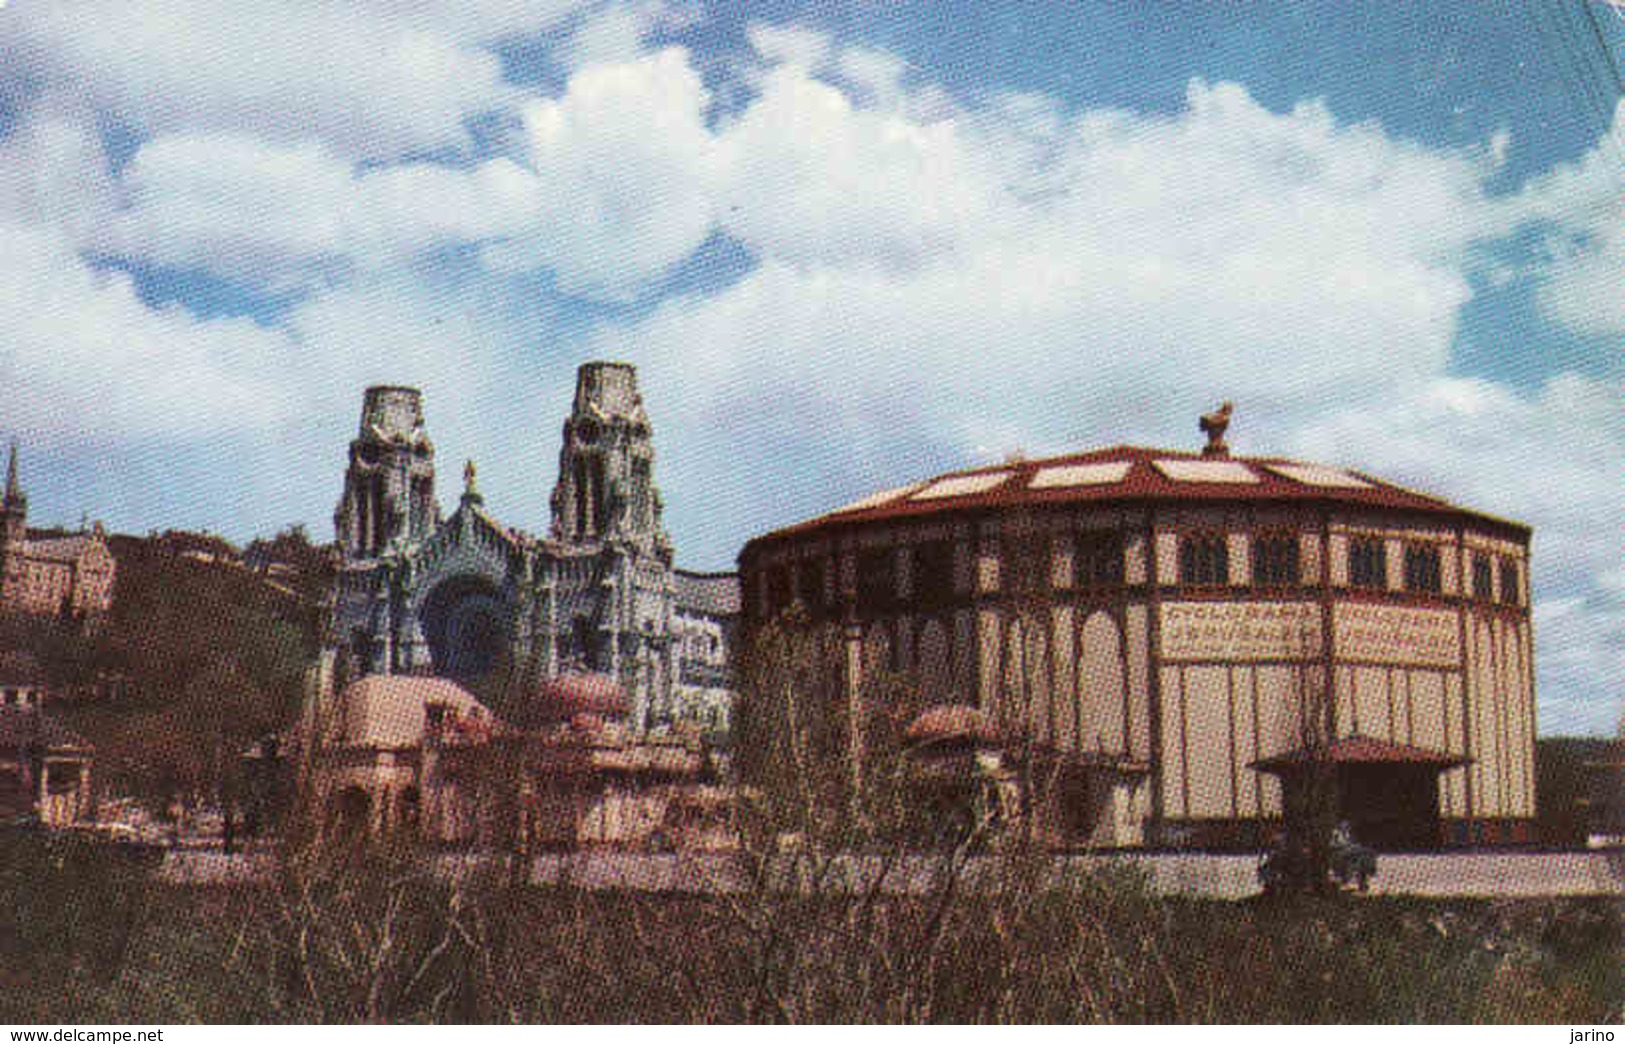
464, 596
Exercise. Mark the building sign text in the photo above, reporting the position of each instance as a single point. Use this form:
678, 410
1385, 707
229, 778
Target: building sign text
1405, 637
1246, 631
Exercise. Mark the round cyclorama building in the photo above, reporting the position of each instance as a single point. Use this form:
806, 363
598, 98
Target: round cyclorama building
1165, 641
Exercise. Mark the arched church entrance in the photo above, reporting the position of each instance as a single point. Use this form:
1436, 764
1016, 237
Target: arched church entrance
468, 625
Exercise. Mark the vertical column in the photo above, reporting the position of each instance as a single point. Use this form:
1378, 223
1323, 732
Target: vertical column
852, 639
550, 623
1157, 560
82, 792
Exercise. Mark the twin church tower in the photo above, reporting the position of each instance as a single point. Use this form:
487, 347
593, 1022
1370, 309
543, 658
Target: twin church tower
464, 596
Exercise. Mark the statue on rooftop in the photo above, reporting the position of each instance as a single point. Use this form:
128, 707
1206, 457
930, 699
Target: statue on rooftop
1214, 425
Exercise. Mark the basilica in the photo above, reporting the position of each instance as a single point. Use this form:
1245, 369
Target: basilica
466, 598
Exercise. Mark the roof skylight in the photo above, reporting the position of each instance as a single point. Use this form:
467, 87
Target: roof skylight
1230, 471
1062, 476
885, 496
1319, 475
962, 485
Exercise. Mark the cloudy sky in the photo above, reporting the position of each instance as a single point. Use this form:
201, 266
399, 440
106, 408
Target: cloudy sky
847, 243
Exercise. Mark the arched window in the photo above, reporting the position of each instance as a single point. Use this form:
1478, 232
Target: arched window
934, 574
1368, 563
1097, 560
778, 589
877, 578
1026, 564
1275, 560
1483, 578
1510, 587
1422, 568
810, 584
1204, 560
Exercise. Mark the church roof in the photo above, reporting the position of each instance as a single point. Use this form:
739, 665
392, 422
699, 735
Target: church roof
61, 549
1138, 474
715, 594
476, 508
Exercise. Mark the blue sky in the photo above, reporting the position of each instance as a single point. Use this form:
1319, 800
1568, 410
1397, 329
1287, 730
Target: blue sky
848, 244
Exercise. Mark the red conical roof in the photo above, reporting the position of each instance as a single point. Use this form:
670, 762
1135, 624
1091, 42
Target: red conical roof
566, 696
952, 722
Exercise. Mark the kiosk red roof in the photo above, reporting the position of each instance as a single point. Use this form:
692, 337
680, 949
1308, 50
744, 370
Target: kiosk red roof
1360, 750
952, 722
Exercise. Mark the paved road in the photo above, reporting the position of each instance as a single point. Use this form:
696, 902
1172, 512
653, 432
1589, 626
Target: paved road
1503, 874
1456, 874
1444, 875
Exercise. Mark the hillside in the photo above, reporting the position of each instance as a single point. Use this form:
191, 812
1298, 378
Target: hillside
207, 650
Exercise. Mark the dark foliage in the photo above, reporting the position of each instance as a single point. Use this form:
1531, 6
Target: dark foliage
213, 654
378, 936
1563, 785
70, 902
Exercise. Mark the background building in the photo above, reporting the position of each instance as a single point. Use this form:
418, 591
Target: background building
44, 766
705, 613
421, 758
465, 597
50, 574
1162, 638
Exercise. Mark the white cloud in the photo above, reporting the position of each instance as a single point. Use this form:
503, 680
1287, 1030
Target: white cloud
876, 74
82, 354
262, 213
1580, 207
53, 172
623, 166
1554, 459
368, 78
1223, 250
790, 44
392, 331
616, 32
612, 184
813, 179
474, 21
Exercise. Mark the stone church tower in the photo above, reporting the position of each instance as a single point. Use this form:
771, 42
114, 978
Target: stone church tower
608, 589
606, 492
13, 510
388, 497
13, 528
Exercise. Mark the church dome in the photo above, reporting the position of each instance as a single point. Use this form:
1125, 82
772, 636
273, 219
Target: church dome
567, 696
391, 711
